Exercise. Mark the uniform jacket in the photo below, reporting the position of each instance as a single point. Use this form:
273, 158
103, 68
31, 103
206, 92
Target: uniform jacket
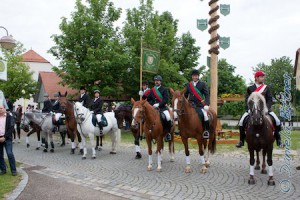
47, 106
96, 106
153, 100
56, 107
202, 87
85, 99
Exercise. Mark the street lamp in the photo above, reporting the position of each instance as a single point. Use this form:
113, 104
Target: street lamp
7, 42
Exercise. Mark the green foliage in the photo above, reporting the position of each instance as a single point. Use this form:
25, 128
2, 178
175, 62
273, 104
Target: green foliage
20, 83
90, 48
274, 74
8, 182
232, 108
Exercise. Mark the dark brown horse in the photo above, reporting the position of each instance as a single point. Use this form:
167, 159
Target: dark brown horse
191, 126
71, 124
153, 129
259, 135
124, 113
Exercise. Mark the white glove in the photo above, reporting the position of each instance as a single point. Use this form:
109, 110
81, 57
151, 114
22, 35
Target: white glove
206, 108
156, 105
141, 93
92, 112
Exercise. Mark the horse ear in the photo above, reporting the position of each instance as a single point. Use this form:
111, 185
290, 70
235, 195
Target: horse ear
132, 100
172, 91
182, 91
66, 93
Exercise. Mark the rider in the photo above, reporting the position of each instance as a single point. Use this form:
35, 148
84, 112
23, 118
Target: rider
158, 98
56, 109
197, 93
96, 107
146, 90
47, 104
84, 98
265, 90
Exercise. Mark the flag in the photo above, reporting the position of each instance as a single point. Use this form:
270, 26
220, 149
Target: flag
150, 60
3, 70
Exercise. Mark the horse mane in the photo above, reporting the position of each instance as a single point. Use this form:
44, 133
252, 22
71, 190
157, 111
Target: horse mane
255, 97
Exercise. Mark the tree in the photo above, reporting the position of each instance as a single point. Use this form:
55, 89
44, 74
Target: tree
274, 74
20, 83
90, 48
228, 82
158, 31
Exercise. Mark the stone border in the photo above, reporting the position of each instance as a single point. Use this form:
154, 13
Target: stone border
17, 191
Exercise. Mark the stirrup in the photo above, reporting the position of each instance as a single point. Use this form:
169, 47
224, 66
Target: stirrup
205, 135
168, 137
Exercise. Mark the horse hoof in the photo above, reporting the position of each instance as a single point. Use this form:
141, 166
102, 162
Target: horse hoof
99, 149
172, 160
149, 168
72, 151
203, 171
158, 169
27, 145
263, 171
112, 152
271, 182
83, 158
251, 181
257, 167
188, 170
45, 150
138, 156
207, 164
52, 150
62, 145
81, 151
38, 148
93, 157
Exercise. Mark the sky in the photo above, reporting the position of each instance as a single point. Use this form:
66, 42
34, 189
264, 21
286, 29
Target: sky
259, 30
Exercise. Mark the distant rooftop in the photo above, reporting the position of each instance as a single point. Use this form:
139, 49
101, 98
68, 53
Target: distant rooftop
32, 56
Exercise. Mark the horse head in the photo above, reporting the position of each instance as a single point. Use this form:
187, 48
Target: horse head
257, 109
137, 113
63, 100
80, 112
177, 102
120, 118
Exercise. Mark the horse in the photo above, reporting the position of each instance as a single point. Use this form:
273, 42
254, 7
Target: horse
259, 136
44, 121
191, 126
84, 118
153, 129
124, 113
71, 124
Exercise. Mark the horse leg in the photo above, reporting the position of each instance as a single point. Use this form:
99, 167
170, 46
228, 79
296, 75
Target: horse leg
148, 140
27, 138
137, 147
19, 132
38, 134
63, 138
257, 167
80, 143
171, 147
160, 143
51, 142
263, 170
73, 146
92, 141
251, 180
271, 181
97, 142
84, 148
201, 153
188, 168
114, 135
46, 143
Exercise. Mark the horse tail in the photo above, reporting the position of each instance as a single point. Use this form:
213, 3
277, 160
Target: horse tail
212, 144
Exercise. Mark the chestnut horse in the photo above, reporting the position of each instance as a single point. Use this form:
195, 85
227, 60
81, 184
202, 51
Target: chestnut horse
71, 124
191, 126
153, 129
259, 135
124, 113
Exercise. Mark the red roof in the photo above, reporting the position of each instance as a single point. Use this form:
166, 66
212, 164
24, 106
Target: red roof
51, 84
32, 56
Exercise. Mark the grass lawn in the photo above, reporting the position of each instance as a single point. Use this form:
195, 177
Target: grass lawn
8, 182
127, 138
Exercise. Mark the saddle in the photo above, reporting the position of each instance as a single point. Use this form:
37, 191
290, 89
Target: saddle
103, 120
61, 121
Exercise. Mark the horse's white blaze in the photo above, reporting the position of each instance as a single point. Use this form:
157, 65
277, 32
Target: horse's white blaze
134, 114
270, 170
188, 160
175, 108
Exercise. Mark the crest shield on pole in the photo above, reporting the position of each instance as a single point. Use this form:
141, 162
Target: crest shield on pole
225, 9
224, 42
202, 24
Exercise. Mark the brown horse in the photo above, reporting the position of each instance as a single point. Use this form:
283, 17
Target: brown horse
124, 113
153, 129
71, 124
191, 126
259, 135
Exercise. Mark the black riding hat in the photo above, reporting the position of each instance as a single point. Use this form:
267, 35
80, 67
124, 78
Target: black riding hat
82, 88
158, 78
145, 83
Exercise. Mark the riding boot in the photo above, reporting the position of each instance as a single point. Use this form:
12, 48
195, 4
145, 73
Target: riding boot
206, 130
100, 127
242, 137
277, 136
168, 130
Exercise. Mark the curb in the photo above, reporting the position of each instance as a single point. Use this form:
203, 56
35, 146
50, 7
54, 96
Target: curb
17, 191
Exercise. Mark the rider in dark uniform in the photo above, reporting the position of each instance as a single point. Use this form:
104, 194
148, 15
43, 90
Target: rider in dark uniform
265, 90
56, 109
47, 104
158, 98
84, 98
199, 99
96, 107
